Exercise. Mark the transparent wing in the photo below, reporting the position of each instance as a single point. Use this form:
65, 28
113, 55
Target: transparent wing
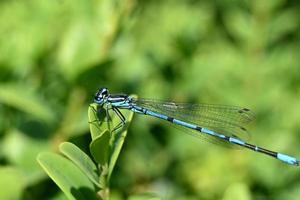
227, 120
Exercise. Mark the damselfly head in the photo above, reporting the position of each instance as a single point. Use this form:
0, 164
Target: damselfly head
101, 96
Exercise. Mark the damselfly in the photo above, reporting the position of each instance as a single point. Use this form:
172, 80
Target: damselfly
216, 123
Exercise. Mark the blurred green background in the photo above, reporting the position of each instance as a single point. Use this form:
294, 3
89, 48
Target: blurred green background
54, 55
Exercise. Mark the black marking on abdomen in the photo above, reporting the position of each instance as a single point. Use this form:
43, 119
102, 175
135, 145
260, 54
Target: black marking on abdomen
250, 146
170, 119
261, 150
145, 111
268, 152
198, 128
226, 138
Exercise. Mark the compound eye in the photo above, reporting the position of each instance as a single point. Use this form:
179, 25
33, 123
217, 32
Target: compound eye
104, 92
101, 95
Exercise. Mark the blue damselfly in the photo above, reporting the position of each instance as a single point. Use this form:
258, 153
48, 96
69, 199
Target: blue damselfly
216, 123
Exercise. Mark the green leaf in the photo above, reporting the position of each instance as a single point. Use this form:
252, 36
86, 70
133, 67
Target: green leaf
80, 159
71, 180
99, 148
19, 97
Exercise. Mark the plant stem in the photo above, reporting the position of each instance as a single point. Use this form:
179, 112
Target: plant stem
104, 183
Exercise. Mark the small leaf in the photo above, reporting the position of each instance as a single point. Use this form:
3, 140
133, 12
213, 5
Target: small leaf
79, 158
99, 148
71, 180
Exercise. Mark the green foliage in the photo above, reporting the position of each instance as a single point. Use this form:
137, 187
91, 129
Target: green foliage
72, 181
78, 176
83, 162
55, 54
